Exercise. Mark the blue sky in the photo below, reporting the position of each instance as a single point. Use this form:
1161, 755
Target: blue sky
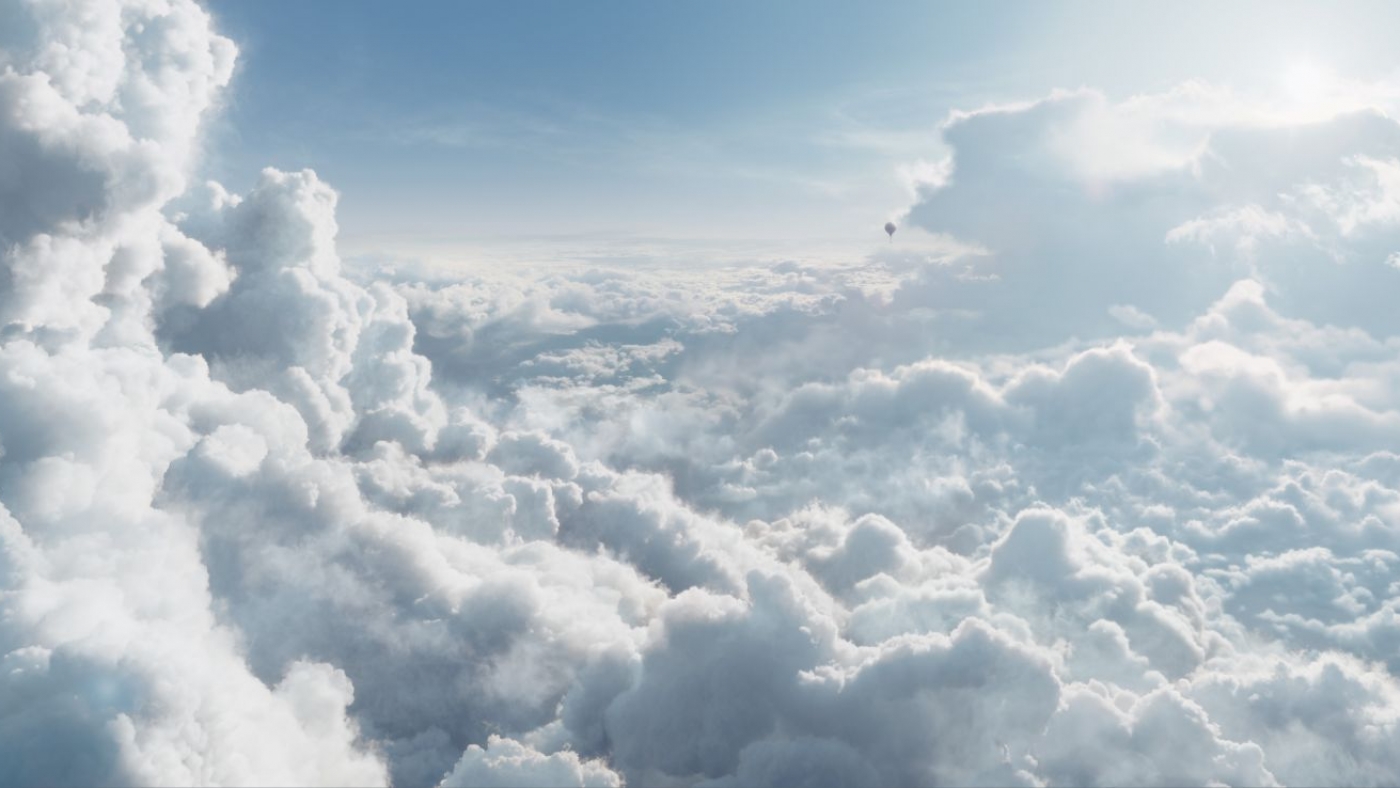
459, 130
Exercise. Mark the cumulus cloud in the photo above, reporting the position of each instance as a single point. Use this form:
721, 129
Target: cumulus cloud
1089, 188
1112, 499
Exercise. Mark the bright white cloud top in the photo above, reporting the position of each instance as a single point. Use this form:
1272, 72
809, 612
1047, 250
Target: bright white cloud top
1109, 497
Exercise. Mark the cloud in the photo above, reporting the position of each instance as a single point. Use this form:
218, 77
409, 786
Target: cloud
1073, 195
508, 763
1111, 501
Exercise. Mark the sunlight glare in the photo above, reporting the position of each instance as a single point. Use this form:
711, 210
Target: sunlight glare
1304, 82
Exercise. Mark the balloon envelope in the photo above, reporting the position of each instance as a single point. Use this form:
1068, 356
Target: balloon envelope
889, 228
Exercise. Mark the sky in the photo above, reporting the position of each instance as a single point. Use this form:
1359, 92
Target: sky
461, 131
476, 395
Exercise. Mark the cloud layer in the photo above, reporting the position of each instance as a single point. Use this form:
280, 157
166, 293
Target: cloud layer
1113, 499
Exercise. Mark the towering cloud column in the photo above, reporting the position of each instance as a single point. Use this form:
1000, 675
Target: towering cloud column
114, 668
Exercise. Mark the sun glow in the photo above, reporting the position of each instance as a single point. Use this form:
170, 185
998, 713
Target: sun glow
1305, 82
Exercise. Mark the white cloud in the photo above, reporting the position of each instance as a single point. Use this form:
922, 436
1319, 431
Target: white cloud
511, 765
263, 520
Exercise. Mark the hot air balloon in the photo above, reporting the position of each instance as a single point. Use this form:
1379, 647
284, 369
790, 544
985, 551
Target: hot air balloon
890, 228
